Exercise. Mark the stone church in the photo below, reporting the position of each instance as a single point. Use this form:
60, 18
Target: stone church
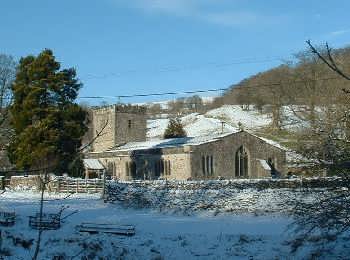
123, 151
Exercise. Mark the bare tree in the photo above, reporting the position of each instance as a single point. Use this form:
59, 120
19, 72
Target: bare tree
325, 219
44, 180
7, 75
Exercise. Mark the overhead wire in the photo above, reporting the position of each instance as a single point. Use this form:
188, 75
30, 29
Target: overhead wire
206, 90
167, 69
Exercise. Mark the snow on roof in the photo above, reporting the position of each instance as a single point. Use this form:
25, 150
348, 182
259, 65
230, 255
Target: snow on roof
172, 142
93, 164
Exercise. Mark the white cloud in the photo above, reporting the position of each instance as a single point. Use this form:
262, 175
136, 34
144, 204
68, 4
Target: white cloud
232, 18
219, 12
175, 7
339, 32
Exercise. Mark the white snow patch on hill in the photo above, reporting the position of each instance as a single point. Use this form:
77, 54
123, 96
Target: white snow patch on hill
234, 115
197, 124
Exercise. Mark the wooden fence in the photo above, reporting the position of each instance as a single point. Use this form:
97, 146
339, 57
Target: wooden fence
75, 185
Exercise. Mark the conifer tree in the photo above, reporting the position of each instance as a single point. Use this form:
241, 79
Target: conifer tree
175, 129
48, 124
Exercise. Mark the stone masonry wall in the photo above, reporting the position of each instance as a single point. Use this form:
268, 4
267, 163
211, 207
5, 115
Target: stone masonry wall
234, 196
100, 117
224, 150
125, 124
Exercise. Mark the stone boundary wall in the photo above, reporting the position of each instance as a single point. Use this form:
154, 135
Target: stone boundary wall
235, 196
260, 184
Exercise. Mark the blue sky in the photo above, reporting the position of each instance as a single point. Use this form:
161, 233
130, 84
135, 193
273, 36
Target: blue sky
141, 46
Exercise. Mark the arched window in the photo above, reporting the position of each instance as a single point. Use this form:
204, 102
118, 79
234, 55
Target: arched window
241, 162
162, 167
208, 165
132, 167
165, 167
169, 168
203, 165
127, 172
156, 169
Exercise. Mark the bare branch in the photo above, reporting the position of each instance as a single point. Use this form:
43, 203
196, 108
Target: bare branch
331, 63
98, 134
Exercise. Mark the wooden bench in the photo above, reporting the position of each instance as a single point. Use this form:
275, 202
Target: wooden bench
7, 218
93, 228
48, 221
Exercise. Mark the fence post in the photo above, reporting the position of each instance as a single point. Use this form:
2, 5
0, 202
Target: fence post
86, 186
77, 187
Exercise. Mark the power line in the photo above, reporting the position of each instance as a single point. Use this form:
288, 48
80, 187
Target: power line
168, 69
205, 90
156, 94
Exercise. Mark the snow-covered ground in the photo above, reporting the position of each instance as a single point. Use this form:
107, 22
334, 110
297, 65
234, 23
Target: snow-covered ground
158, 236
233, 116
197, 124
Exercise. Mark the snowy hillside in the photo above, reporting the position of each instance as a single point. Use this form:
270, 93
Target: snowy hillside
197, 124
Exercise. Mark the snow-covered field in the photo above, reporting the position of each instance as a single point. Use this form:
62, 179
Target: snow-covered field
234, 117
197, 124
158, 235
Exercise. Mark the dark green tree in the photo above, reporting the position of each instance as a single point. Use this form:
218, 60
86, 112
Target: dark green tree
48, 124
175, 129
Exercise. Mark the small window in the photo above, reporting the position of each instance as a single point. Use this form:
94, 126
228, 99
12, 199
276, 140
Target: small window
208, 165
203, 165
129, 123
127, 169
162, 167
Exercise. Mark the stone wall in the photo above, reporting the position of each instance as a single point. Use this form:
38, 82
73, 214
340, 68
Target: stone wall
100, 117
130, 127
186, 162
178, 160
235, 196
223, 152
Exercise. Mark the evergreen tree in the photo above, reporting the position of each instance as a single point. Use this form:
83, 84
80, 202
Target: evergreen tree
175, 129
48, 124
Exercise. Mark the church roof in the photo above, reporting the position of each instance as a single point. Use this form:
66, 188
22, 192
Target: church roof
169, 143
93, 164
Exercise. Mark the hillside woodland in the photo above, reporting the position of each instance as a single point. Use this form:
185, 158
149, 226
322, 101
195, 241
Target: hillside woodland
313, 94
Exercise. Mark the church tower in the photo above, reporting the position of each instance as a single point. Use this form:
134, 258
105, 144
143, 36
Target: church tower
121, 123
